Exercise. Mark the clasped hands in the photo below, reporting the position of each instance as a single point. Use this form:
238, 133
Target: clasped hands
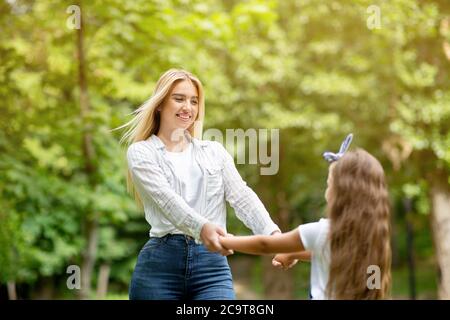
210, 234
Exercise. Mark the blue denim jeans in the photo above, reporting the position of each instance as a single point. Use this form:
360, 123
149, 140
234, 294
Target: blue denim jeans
174, 267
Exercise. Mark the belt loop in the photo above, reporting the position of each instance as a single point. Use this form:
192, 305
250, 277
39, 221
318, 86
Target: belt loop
187, 237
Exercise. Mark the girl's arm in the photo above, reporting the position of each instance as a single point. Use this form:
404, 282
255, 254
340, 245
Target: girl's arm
260, 244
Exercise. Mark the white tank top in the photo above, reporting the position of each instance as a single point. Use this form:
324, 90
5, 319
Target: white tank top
190, 174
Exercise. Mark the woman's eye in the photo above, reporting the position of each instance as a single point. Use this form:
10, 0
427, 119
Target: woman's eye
195, 102
178, 100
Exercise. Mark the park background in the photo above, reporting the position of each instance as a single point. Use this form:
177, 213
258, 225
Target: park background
315, 70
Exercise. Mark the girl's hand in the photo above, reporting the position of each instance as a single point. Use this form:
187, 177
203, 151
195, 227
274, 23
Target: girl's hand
284, 261
222, 241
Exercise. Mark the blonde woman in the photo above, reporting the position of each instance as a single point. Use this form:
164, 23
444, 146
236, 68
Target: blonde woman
182, 183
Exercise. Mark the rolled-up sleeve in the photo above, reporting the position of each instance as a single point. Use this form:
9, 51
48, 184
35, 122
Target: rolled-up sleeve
150, 181
246, 204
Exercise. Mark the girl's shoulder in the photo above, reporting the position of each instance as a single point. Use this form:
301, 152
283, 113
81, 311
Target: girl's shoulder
314, 234
324, 222
324, 228
317, 226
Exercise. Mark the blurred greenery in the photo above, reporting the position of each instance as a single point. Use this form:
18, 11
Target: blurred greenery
313, 69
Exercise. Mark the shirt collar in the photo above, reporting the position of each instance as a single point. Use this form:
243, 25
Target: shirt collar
156, 141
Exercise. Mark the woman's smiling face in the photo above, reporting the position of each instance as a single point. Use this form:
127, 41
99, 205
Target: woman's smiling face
180, 107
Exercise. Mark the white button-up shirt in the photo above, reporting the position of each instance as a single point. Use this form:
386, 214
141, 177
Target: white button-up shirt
159, 189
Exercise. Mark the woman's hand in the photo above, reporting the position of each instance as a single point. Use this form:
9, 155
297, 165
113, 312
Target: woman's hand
210, 237
284, 261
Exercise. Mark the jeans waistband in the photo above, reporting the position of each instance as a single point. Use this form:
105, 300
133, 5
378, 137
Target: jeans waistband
185, 237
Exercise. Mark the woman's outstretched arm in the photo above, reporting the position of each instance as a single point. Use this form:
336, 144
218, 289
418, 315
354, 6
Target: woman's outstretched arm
246, 204
262, 244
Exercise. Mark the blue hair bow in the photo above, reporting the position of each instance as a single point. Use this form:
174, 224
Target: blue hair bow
332, 157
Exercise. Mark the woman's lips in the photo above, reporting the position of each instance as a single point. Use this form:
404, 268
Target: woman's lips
184, 116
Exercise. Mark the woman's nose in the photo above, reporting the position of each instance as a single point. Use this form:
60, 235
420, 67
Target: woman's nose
187, 105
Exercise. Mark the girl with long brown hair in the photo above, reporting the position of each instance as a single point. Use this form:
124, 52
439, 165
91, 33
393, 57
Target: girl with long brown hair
350, 251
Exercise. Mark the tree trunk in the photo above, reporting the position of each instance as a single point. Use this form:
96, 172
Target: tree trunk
103, 278
440, 198
90, 222
12, 295
89, 255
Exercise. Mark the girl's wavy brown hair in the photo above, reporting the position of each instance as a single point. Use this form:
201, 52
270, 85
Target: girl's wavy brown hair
358, 208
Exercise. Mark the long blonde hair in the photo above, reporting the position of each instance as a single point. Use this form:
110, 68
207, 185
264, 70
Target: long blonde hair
146, 120
358, 209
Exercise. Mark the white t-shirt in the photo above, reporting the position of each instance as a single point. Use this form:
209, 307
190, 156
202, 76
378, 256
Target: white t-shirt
190, 175
315, 239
